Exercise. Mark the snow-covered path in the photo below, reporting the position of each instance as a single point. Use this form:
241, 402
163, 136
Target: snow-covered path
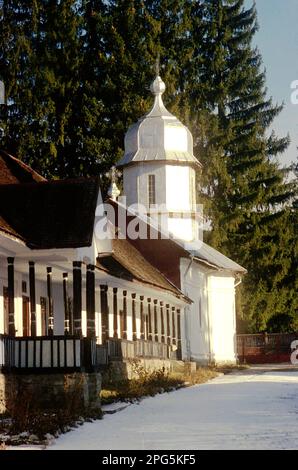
250, 410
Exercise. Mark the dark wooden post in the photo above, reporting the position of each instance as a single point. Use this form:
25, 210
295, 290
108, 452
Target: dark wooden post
149, 320
162, 323
142, 327
155, 321
173, 326
179, 332
66, 306
146, 319
32, 298
134, 320
77, 298
50, 301
10, 279
104, 313
90, 300
115, 312
124, 315
168, 324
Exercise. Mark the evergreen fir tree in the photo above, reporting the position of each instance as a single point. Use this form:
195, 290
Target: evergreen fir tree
18, 24
52, 119
249, 199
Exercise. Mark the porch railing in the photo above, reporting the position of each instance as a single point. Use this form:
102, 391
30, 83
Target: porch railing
54, 353
7, 352
118, 349
59, 353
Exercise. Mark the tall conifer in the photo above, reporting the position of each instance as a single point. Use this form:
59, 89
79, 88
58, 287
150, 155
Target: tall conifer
250, 198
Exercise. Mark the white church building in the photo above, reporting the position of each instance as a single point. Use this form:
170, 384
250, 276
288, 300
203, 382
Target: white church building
159, 180
74, 299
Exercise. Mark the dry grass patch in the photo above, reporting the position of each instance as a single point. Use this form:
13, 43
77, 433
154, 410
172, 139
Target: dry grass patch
148, 383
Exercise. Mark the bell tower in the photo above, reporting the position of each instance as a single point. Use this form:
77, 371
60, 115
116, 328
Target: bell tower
159, 168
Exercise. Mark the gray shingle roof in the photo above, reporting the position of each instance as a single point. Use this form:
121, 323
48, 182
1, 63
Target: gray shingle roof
204, 252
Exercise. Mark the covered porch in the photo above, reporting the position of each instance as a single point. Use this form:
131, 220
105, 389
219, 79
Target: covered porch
73, 316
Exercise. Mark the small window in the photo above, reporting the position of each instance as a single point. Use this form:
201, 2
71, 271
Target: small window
24, 287
151, 190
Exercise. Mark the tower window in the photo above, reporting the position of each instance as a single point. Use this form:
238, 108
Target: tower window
151, 190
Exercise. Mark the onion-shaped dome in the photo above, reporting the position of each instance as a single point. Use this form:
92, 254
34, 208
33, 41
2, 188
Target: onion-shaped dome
158, 136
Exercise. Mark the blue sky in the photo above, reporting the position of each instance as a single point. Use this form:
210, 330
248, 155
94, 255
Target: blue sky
277, 40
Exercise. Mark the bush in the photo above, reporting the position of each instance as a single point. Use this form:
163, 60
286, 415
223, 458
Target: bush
282, 323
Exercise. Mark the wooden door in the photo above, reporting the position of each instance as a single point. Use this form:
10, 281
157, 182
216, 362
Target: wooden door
26, 316
5, 310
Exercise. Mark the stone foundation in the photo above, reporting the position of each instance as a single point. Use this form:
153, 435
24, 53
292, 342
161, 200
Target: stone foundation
51, 391
127, 369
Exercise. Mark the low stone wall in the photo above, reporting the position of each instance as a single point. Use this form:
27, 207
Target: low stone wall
51, 391
127, 369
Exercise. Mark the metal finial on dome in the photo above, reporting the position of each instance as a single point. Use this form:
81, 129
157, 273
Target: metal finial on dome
157, 86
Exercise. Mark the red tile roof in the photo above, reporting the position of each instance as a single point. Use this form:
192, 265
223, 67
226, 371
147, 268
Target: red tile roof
14, 171
126, 262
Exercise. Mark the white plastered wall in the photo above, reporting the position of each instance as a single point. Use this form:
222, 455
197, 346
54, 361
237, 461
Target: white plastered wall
135, 183
221, 293
196, 328
210, 325
175, 193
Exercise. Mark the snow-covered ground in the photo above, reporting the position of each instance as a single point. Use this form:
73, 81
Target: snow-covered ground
247, 410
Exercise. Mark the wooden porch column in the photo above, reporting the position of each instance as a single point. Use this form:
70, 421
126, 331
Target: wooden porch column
77, 298
142, 335
168, 324
10, 278
173, 325
32, 298
155, 321
115, 312
50, 301
90, 300
134, 320
66, 306
178, 330
124, 316
104, 313
162, 323
149, 320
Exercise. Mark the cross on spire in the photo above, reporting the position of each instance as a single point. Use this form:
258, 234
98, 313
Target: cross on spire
157, 65
113, 174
